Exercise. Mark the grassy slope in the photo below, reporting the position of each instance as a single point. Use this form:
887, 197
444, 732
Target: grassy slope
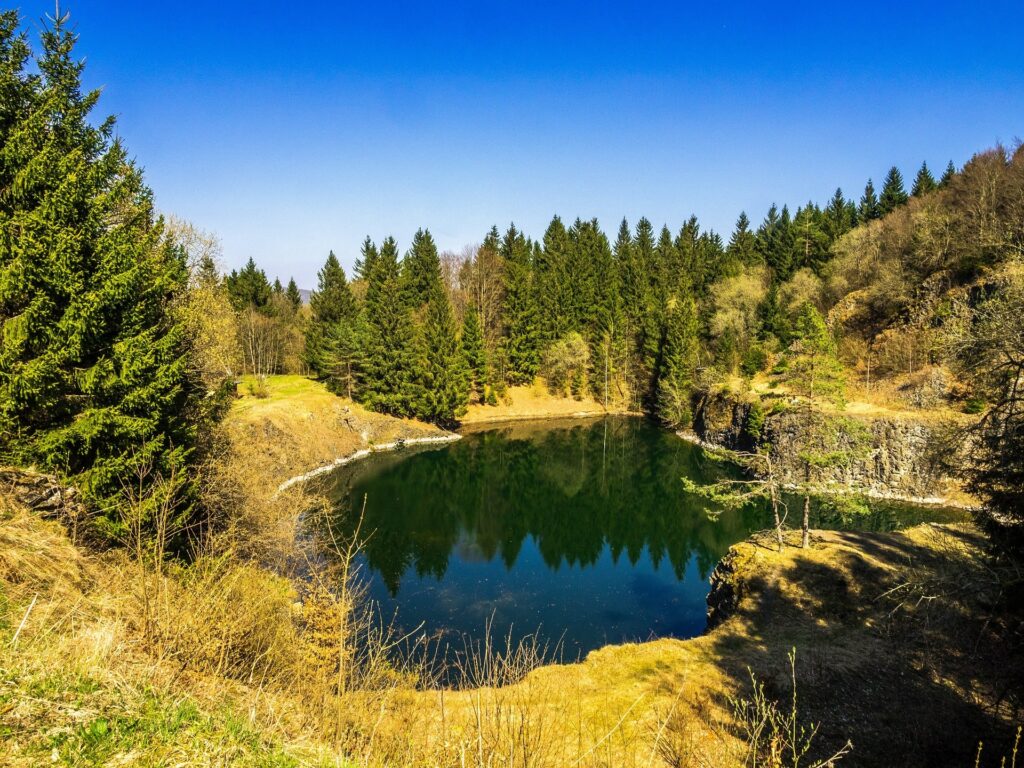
531, 402
890, 672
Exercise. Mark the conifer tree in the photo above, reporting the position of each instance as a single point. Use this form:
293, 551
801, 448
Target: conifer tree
924, 182
947, 175
330, 304
390, 359
521, 337
838, 217
742, 249
277, 288
893, 193
553, 283
679, 361
95, 381
367, 259
445, 385
815, 369
810, 243
474, 351
869, 209
341, 356
421, 270
294, 295
588, 247
249, 287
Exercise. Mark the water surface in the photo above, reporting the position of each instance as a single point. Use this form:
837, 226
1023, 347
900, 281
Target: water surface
577, 531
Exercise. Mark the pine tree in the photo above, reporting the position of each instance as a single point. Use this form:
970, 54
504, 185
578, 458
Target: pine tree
924, 182
445, 385
588, 247
95, 380
893, 193
474, 352
421, 270
947, 175
521, 338
391, 353
249, 287
810, 243
869, 209
679, 361
367, 259
814, 368
331, 303
341, 356
742, 249
553, 283
294, 295
838, 217
277, 288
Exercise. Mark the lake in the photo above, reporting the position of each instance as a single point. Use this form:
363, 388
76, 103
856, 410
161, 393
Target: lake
576, 531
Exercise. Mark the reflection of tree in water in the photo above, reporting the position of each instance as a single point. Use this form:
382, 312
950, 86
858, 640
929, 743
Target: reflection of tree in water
574, 490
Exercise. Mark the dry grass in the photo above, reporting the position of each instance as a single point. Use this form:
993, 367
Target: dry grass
536, 402
120, 658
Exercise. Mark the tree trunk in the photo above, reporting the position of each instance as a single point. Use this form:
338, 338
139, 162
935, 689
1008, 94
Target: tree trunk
807, 521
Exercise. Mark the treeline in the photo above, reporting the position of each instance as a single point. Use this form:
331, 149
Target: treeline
634, 321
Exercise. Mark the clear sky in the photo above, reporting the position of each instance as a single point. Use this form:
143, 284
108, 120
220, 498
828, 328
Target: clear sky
293, 128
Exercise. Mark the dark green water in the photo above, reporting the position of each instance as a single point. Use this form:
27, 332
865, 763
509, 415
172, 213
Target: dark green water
577, 531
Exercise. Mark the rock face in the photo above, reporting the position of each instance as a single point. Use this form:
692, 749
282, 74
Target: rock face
898, 460
42, 494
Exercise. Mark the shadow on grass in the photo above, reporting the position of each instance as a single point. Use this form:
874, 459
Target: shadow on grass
897, 649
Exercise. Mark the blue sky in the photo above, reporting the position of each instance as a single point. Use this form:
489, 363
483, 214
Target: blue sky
293, 128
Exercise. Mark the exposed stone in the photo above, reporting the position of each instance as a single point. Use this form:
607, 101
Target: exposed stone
898, 462
42, 494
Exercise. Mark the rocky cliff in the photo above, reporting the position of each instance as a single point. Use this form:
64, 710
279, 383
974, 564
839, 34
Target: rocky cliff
896, 456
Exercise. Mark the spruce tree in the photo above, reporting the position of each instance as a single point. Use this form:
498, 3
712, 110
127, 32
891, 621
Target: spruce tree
553, 284
810, 242
446, 379
421, 270
947, 175
742, 249
391, 352
679, 362
249, 287
893, 193
294, 295
331, 303
924, 182
341, 356
814, 369
588, 247
95, 380
474, 352
277, 288
367, 259
838, 217
869, 209
521, 337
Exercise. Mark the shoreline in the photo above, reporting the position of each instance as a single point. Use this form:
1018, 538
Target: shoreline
363, 453
927, 501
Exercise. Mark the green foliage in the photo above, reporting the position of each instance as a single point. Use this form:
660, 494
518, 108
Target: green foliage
293, 294
522, 334
421, 270
869, 208
445, 384
331, 305
893, 193
95, 380
814, 368
474, 351
755, 360
249, 287
974, 405
679, 362
565, 364
754, 425
391, 371
924, 182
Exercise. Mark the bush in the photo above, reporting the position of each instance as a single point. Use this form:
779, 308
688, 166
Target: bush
754, 361
565, 365
974, 405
